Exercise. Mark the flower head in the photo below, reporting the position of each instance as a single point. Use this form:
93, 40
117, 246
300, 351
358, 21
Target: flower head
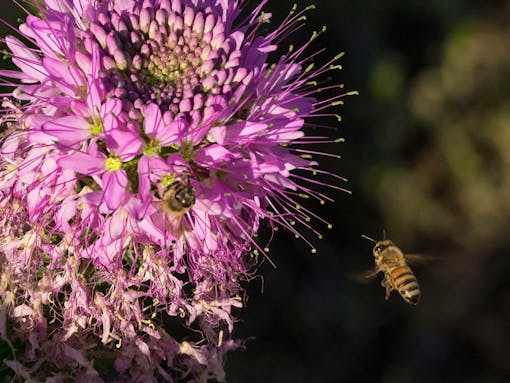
146, 142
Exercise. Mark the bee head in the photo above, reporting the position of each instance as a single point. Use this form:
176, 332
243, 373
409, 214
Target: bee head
381, 246
185, 196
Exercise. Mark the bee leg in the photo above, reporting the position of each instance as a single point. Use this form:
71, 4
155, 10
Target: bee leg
388, 291
387, 285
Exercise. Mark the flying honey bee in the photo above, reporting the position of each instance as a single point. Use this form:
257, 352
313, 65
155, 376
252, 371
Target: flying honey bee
176, 200
398, 276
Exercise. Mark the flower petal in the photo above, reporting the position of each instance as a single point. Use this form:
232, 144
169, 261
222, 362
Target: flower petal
153, 120
213, 154
173, 133
114, 185
64, 73
25, 59
127, 144
69, 130
83, 163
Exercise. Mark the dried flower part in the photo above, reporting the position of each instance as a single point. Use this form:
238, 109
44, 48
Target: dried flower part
145, 142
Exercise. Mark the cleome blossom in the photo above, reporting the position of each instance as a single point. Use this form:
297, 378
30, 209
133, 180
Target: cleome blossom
143, 144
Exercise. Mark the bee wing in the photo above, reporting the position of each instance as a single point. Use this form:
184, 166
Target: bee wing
175, 225
419, 258
364, 276
171, 223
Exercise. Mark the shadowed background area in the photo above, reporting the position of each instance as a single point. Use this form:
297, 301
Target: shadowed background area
427, 159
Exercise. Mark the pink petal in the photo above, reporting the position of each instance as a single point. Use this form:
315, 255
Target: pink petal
14, 74
202, 231
242, 131
213, 154
53, 37
95, 96
25, 59
114, 185
144, 182
83, 163
65, 213
197, 134
172, 133
94, 198
57, 5
64, 73
111, 108
218, 133
153, 120
151, 230
68, 130
80, 109
290, 131
116, 225
128, 144
149, 168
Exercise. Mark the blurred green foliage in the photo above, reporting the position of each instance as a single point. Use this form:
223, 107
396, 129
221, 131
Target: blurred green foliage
463, 174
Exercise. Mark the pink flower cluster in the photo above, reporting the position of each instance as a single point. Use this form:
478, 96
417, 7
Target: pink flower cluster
117, 108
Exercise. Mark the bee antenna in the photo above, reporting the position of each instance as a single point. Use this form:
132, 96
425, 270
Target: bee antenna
367, 237
384, 234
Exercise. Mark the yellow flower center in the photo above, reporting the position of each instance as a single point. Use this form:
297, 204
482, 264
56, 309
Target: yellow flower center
96, 127
112, 164
167, 180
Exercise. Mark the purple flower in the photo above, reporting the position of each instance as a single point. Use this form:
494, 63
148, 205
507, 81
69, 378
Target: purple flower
145, 142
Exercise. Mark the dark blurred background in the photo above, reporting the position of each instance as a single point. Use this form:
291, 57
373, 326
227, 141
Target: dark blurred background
427, 155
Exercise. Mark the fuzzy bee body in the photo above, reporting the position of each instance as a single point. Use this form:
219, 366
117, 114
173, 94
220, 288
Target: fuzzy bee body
178, 198
398, 276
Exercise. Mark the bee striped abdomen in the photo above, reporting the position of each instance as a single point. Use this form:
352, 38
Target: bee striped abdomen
405, 283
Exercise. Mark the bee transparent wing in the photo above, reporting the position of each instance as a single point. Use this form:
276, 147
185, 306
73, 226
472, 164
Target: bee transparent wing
365, 276
171, 223
419, 258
